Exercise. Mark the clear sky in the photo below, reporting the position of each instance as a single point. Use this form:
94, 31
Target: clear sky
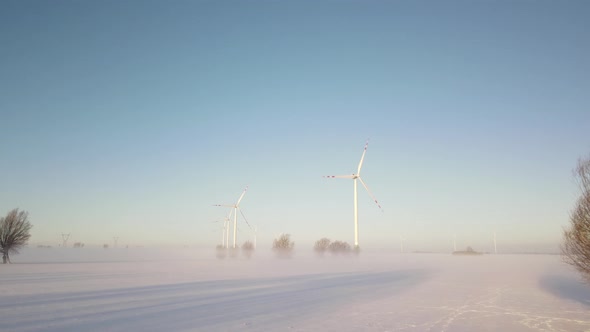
132, 118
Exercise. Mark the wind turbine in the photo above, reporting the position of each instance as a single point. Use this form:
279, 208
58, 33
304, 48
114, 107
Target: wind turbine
354, 177
235, 207
495, 247
222, 234
401, 244
224, 229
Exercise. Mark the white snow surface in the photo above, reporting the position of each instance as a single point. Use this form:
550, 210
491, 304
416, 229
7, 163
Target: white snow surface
66, 289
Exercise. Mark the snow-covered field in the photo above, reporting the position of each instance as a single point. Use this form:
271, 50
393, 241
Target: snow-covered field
186, 290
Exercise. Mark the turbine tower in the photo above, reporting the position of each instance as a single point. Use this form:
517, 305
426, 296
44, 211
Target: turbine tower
255, 235
495, 247
401, 244
355, 177
223, 233
235, 208
228, 228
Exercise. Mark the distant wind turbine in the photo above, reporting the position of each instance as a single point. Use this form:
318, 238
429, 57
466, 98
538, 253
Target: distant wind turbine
495, 247
401, 244
354, 177
255, 235
224, 230
223, 235
235, 207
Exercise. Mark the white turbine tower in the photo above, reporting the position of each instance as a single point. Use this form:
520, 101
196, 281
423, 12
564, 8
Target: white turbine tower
354, 177
401, 244
235, 207
223, 233
495, 247
255, 235
228, 227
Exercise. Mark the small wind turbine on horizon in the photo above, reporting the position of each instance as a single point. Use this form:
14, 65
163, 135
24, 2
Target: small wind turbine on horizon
235, 208
224, 230
255, 236
401, 244
354, 177
495, 247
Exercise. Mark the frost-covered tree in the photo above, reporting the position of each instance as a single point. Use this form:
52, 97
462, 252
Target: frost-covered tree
339, 247
283, 245
576, 244
321, 245
14, 233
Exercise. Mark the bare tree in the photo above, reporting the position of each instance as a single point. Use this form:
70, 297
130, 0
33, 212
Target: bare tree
14, 233
339, 247
321, 245
575, 248
283, 245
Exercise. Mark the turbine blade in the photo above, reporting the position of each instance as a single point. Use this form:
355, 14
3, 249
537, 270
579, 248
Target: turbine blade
231, 211
358, 172
338, 176
243, 216
241, 196
371, 194
226, 205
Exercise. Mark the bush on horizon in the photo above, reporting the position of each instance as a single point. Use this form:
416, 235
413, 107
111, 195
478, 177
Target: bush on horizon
321, 246
283, 246
339, 247
248, 249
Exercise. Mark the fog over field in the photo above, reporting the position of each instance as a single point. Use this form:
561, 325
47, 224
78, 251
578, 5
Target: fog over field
186, 290
161, 130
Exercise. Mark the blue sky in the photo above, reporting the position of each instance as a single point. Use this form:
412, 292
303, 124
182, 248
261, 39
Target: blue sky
132, 118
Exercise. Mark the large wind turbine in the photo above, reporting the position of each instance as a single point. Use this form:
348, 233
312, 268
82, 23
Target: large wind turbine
354, 177
235, 207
